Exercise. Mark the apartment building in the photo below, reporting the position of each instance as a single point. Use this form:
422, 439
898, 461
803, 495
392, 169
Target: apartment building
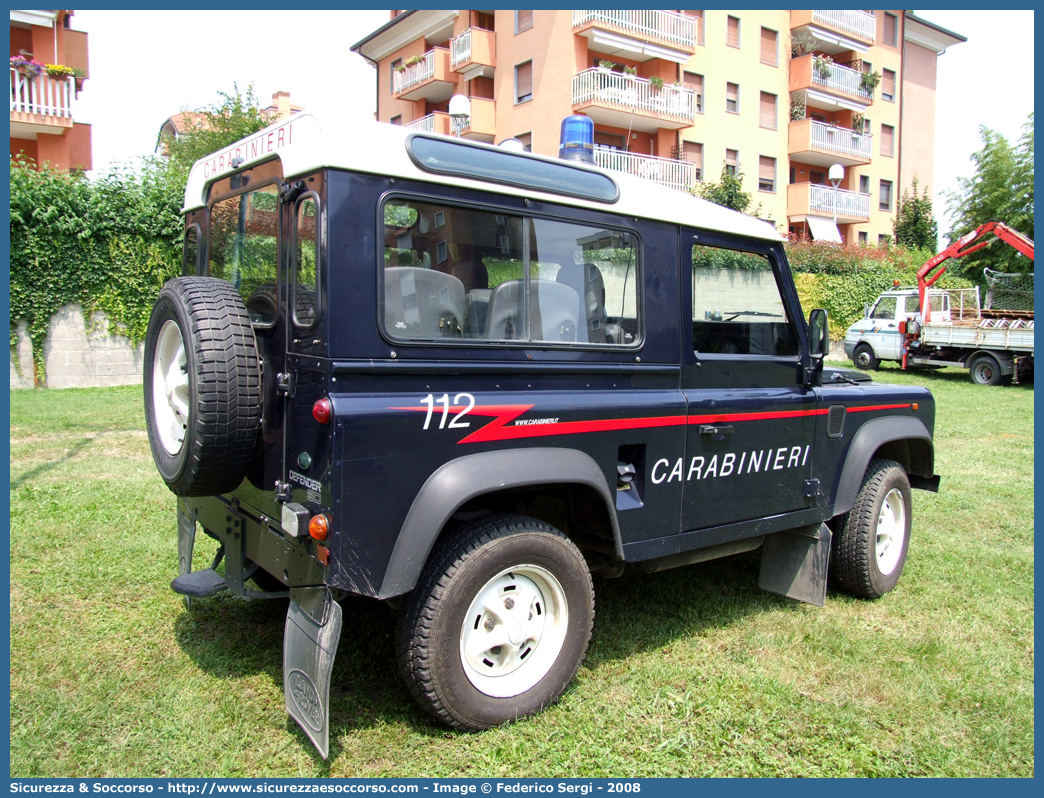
677, 96
48, 67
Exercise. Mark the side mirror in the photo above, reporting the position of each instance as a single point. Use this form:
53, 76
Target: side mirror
818, 333
866, 311
818, 343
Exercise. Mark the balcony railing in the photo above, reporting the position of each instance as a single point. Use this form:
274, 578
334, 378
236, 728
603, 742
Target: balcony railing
632, 93
850, 204
858, 23
665, 26
460, 48
42, 95
415, 73
841, 79
679, 175
841, 140
426, 124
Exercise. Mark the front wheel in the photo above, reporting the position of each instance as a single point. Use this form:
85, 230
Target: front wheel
868, 549
864, 358
498, 624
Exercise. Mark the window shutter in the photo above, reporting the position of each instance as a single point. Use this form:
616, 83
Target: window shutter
732, 97
524, 81
694, 155
524, 21
766, 173
768, 110
768, 46
887, 140
733, 39
888, 84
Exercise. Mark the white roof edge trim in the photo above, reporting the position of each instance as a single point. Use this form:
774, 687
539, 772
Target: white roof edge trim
302, 144
44, 19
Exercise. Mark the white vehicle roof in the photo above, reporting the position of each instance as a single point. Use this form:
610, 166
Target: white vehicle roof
302, 145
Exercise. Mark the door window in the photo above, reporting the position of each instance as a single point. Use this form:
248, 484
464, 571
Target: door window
885, 308
737, 307
306, 260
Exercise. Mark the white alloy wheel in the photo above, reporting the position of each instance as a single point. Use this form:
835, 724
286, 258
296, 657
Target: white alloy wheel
514, 631
891, 531
170, 387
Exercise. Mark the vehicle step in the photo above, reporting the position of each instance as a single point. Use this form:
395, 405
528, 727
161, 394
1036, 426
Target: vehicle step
199, 583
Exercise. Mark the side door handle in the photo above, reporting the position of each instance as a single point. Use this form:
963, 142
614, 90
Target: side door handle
716, 429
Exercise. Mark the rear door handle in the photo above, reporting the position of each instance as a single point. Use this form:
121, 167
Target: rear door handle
716, 429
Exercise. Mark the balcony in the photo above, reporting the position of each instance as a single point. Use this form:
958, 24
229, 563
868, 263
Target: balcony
638, 35
814, 199
41, 104
829, 85
838, 29
617, 100
680, 175
480, 125
822, 144
430, 79
474, 53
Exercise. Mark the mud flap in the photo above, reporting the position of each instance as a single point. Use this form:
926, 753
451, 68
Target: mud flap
313, 627
186, 542
794, 564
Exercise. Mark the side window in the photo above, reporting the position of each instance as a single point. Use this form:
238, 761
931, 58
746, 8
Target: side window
885, 308
190, 258
467, 274
306, 261
244, 248
737, 307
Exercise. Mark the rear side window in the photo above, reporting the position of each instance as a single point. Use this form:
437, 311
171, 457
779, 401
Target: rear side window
454, 273
244, 248
190, 256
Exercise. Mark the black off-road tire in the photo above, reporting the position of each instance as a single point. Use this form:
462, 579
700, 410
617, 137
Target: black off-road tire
864, 358
223, 394
464, 568
985, 370
855, 567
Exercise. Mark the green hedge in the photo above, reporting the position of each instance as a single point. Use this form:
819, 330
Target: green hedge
107, 244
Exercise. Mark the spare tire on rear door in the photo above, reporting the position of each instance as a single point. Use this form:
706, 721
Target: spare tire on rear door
202, 386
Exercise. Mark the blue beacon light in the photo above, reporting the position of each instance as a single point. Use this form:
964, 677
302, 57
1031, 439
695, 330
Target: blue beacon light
577, 140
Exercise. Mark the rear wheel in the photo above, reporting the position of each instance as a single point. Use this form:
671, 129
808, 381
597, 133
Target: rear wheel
864, 357
498, 624
985, 370
870, 542
202, 386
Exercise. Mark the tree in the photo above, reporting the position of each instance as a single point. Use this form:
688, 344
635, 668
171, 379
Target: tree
233, 117
1002, 189
728, 191
914, 225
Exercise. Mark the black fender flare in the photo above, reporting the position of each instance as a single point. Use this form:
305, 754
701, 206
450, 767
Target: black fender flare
458, 481
1004, 360
868, 439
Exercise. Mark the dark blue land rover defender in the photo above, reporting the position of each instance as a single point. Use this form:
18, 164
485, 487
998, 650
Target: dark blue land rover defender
462, 379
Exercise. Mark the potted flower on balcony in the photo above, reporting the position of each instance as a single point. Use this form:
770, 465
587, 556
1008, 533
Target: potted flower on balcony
821, 66
656, 82
858, 124
413, 60
58, 71
868, 82
27, 67
606, 66
630, 70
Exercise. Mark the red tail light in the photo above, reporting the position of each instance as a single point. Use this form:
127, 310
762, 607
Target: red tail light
322, 410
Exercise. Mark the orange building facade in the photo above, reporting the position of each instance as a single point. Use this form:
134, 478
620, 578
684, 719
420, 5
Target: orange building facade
48, 67
679, 96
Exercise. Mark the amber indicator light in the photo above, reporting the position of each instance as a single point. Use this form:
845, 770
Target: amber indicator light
319, 527
322, 410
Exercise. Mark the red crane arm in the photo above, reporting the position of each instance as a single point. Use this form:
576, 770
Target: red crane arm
965, 246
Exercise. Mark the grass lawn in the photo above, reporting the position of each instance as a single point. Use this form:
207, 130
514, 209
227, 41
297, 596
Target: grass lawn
692, 672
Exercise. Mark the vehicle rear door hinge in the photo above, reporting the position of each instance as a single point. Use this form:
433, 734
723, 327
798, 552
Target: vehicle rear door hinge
282, 491
810, 489
285, 383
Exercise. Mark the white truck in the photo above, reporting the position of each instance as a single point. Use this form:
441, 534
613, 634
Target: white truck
994, 345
